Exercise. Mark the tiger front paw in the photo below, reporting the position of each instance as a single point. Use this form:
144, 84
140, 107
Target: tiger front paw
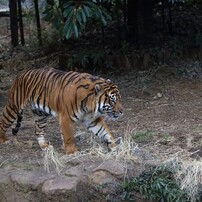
44, 146
114, 145
71, 150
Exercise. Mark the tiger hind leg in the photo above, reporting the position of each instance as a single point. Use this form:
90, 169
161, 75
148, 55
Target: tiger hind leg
40, 124
3, 138
18, 124
10, 114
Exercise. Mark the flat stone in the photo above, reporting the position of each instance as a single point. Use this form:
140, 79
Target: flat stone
4, 176
61, 183
102, 177
30, 178
111, 166
74, 171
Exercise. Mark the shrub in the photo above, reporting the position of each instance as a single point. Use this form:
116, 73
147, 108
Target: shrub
157, 184
70, 17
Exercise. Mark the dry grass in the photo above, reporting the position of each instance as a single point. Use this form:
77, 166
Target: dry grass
190, 178
52, 160
124, 152
188, 173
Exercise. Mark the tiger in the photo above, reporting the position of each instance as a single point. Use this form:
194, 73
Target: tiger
70, 97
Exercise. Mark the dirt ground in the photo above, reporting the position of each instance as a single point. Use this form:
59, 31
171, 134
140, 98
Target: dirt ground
162, 114
163, 104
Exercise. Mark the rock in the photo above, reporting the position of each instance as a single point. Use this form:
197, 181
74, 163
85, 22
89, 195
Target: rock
29, 179
102, 177
113, 167
89, 180
4, 176
74, 171
8, 191
106, 175
60, 184
9, 194
61, 189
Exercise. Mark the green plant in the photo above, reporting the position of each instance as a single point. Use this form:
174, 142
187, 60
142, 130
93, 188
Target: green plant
70, 17
90, 60
167, 137
157, 184
141, 136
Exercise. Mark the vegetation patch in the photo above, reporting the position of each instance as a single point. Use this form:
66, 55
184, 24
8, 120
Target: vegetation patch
188, 174
157, 184
175, 180
142, 136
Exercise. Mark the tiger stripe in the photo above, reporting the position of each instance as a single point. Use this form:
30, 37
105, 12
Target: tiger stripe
70, 96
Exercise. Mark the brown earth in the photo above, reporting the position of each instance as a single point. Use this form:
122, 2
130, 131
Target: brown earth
162, 113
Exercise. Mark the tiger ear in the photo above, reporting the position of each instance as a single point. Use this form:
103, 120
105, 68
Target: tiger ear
108, 81
97, 88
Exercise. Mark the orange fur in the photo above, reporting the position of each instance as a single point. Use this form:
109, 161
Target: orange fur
70, 96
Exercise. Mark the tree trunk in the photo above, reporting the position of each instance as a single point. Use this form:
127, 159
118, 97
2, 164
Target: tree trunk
13, 22
38, 22
140, 20
21, 23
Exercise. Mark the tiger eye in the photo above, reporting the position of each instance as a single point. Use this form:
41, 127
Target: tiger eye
85, 98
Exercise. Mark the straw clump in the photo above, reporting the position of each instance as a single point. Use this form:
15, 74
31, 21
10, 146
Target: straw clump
52, 160
188, 174
190, 178
124, 152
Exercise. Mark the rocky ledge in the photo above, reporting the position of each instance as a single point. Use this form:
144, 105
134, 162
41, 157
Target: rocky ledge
83, 179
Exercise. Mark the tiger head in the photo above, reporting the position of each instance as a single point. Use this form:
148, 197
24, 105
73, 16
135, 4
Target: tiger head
109, 100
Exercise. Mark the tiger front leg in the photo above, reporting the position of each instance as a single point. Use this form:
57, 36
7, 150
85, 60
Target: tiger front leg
67, 134
100, 129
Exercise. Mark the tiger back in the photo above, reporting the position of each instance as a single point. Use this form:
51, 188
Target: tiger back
70, 97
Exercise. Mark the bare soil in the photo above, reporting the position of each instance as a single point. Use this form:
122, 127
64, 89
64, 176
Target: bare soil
162, 106
165, 104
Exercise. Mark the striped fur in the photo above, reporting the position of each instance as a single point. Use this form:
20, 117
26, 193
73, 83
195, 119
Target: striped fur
69, 96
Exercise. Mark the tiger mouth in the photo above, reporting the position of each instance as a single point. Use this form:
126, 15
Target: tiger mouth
114, 116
